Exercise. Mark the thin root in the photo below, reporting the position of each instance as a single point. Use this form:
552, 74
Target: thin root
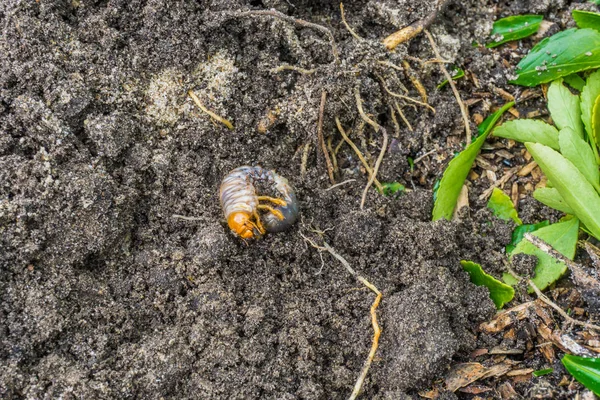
322, 140
376, 328
362, 113
395, 121
461, 105
214, 116
333, 154
297, 21
415, 81
376, 169
358, 153
399, 109
401, 96
340, 184
292, 68
354, 34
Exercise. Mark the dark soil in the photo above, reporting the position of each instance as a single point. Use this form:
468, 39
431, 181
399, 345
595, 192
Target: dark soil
104, 294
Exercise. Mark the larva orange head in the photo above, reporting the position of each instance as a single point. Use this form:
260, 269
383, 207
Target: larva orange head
240, 223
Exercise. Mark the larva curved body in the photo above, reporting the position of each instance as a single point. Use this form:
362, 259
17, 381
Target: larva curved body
241, 204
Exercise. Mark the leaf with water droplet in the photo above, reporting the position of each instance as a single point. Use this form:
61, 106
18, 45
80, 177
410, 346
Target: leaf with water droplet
559, 55
514, 28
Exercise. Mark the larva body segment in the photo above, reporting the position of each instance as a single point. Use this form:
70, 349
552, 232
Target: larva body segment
240, 202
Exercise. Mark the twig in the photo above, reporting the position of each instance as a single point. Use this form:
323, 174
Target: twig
358, 153
563, 314
348, 26
340, 184
376, 328
412, 30
297, 21
321, 140
376, 169
222, 120
461, 105
401, 96
362, 113
292, 68
402, 116
579, 275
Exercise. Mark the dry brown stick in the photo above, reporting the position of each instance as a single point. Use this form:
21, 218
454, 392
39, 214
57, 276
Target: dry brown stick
402, 116
297, 21
211, 114
376, 328
354, 34
412, 30
376, 169
322, 140
461, 105
358, 153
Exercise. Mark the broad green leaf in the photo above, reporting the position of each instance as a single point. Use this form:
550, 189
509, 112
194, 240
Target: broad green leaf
564, 107
503, 207
587, 19
585, 370
542, 372
595, 139
456, 74
562, 237
500, 293
514, 28
559, 55
457, 170
576, 191
520, 231
575, 81
589, 94
578, 151
529, 130
552, 198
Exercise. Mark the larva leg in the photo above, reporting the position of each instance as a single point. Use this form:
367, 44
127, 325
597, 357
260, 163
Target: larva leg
273, 211
258, 224
273, 200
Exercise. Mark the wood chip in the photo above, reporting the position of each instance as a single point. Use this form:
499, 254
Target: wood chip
475, 389
507, 392
524, 371
526, 170
514, 112
504, 94
464, 374
506, 318
485, 164
514, 195
473, 176
547, 351
499, 350
478, 352
491, 175
462, 202
505, 154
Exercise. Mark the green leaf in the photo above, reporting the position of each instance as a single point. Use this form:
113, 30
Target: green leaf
514, 28
489, 122
562, 237
587, 19
576, 150
595, 138
589, 94
500, 293
503, 207
559, 55
575, 81
455, 174
552, 198
542, 372
520, 231
456, 74
390, 188
585, 370
573, 187
529, 130
564, 107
